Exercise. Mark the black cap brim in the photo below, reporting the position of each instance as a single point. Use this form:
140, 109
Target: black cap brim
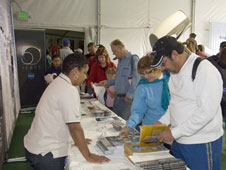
157, 61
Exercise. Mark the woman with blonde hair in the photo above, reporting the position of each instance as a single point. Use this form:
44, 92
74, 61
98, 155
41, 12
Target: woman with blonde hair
151, 96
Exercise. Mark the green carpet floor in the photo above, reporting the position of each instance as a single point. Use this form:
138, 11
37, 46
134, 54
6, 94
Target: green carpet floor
17, 147
23, 124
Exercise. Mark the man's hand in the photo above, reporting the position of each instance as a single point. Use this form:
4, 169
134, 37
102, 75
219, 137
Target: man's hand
96, 158
124, 131
102, 83
166, 136
106, 86
91, 85
127, 99
77, 135
88, 141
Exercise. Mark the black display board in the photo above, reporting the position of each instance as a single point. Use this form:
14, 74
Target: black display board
30, 50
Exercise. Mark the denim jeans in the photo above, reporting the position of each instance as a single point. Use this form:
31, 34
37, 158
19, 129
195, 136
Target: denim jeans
46, 162
122, 108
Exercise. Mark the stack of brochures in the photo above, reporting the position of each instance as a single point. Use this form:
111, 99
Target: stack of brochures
150, 153
115, 144
131, 149
148, 141
162, 164
98, 112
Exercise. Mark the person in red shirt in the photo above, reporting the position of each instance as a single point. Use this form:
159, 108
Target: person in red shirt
200, 50
56, 49
99, 68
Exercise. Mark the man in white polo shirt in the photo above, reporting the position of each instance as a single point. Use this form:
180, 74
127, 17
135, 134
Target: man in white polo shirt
57, 116
194, 111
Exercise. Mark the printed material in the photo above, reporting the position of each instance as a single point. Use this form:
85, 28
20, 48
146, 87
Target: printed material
110, 119
149, 134
85, 96
148, 141
99, 90
131, 149
149, 156
97, 112
115, 144
162, 164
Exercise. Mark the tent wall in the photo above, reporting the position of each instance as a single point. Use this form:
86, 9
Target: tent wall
120, 16
8, 71
132, 21
207, 12
58, 14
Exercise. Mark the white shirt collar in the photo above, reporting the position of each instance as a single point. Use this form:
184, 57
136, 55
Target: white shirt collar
64, 77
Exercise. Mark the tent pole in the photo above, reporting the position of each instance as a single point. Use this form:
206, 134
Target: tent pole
98, 20
193, 15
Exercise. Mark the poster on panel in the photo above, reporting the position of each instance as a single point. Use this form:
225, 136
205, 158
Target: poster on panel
30, 49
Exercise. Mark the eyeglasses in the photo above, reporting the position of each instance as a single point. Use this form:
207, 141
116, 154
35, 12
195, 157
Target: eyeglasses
146, 73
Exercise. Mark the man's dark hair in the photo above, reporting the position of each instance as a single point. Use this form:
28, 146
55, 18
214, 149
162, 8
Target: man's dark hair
192, 35
223, 44
179, 48
74, 60
91, 44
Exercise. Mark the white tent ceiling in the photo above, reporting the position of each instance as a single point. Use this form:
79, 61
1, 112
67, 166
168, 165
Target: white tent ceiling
129, 20
207, 12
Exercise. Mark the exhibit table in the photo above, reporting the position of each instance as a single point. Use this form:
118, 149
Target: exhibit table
97, 123
92, 130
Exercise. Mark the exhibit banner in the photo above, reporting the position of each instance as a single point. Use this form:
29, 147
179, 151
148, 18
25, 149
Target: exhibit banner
31, 65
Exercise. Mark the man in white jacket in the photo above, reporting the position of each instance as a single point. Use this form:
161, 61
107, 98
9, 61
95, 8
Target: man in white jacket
194, 112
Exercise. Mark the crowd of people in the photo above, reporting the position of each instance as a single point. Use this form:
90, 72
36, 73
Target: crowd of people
155, 89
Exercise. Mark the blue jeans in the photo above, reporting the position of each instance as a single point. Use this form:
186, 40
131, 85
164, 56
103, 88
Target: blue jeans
122, 108
47, 162
205, 156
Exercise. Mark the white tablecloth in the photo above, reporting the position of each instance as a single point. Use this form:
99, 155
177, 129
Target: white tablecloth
94, 129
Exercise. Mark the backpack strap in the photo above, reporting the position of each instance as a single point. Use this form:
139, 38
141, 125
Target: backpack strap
195, 66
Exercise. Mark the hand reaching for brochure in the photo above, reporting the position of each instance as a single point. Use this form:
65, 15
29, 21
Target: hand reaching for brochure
166, 136
102, 83
96, 158
124, 131
157, 123
91, 84
88, 141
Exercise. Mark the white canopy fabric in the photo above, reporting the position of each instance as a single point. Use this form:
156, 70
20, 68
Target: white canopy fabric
120, 17
208, 12
128, 20
8, 73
